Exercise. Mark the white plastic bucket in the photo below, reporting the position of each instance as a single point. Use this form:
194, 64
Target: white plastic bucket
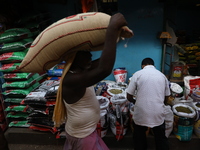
120, 75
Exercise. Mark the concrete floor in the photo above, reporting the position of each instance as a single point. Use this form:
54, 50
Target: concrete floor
43, 147
26, 139
34, 147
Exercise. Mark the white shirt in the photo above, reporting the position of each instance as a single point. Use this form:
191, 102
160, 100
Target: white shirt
152, 86
83, 116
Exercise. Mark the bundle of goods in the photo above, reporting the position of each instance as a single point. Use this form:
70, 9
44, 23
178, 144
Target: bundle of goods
177, 96
184, 117
191, 55
84, 31
176, 93
42, 100
17, 90
103, 124
119, 116
55, 72
15, 43
169, 120
109, 88
17, 113
100, 88
192, 88
121, 85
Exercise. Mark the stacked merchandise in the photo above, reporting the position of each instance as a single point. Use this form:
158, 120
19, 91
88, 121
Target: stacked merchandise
117, 115
192, 93
14, 46
182, 105
55, 72
42, 101
16, 36
103, 124
183, 121
191, 57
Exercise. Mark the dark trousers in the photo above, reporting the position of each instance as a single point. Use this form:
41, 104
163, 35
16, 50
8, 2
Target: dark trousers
140, 140
3, 141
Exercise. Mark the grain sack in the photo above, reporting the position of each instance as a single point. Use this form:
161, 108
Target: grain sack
103, 124
85, 31
169, 120
183, 121
192, 90
119, 116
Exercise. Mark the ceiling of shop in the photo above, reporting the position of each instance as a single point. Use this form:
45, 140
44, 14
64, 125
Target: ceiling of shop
183, 4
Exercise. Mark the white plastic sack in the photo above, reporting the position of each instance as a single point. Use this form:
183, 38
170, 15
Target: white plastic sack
169, 119
192, 84
102, 126
119, 116
182, 114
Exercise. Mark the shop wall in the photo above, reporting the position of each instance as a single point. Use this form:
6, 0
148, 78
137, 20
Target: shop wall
145, 18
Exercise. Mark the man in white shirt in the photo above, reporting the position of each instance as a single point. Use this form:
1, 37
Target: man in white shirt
152, 89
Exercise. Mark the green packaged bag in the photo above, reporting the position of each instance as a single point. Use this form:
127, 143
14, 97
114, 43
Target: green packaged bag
11, 67
16, 46
13, 100
19, 124
19, 108
12, 57
21, 92
17, 115
17, 76
15, 34
21, 84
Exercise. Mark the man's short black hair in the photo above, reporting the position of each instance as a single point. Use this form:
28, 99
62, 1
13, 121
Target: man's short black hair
147, 61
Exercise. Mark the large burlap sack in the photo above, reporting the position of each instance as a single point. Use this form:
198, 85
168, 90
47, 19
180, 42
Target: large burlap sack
85, 31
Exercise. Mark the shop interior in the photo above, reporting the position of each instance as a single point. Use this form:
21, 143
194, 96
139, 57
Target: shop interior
168, 31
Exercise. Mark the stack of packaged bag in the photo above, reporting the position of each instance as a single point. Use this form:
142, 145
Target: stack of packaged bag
14, 44
15, 41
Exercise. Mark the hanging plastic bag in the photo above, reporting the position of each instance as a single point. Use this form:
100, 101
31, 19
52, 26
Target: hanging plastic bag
119, 116
169, 120
102, 126
192, 88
